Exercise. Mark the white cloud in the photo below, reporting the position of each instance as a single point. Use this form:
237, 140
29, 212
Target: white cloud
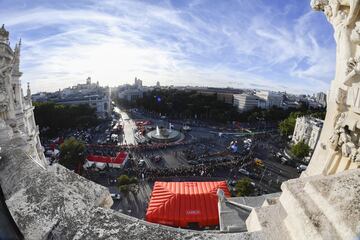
113, 41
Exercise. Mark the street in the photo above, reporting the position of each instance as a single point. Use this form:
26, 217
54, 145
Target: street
129, 127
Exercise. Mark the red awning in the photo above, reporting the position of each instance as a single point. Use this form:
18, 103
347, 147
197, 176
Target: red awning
181, 204
119, 159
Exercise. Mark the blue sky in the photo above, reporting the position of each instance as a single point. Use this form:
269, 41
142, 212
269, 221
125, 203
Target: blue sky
267, 44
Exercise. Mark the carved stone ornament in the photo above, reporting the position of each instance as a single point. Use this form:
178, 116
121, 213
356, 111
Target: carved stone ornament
319, 5
353, 71
355, 34
341, 96
353, 64
4, 98
5, 68
335, 7
346, 137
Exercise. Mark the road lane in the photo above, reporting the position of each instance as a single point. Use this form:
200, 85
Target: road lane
129, 127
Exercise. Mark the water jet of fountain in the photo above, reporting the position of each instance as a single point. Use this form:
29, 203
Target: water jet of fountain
157, 131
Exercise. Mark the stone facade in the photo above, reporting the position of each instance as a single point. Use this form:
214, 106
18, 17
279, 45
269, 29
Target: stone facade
16, 111
307, 129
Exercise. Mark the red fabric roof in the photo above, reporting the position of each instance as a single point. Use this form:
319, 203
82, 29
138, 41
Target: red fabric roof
119, 159
180, 203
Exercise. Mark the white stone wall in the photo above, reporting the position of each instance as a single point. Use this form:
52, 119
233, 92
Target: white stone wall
245, 102
272, 99
307, 129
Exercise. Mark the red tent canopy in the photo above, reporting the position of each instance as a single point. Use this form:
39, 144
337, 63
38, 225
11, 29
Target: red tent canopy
119, 159
181, 204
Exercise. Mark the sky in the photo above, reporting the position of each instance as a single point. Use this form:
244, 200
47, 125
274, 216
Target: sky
280, 45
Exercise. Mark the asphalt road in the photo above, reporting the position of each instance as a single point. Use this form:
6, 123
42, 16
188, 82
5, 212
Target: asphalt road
134, 204
129, 127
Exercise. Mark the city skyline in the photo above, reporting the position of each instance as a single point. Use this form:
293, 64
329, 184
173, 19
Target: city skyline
276, 46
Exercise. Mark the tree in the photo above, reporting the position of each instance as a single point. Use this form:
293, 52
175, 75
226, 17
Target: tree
320, 115
300, 150
59, 117
177, 103
127, 184
72, 154
244, 187
287, 126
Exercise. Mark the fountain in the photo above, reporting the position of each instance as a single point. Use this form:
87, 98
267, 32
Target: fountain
157, 131
164, 135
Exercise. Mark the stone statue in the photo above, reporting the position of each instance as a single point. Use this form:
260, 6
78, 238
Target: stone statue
353, 5
355, 34
353, 64
356, 156
342, 14
341, 132
335, 138
5, 69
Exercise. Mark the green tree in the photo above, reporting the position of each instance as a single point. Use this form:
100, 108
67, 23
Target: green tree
186, 104
58, 117
123, 180
300, 150
72, 154
320, 115
244, 187
127, 184
287, 126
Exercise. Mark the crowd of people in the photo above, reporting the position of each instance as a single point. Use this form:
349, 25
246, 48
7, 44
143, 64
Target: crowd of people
111, 150
201, 170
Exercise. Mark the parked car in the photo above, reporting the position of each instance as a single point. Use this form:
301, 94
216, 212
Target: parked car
301, 168
232, 183
142, 163
157, 159
186, 128
115, 196
112, 180
284, 160
244, 172
193, 162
